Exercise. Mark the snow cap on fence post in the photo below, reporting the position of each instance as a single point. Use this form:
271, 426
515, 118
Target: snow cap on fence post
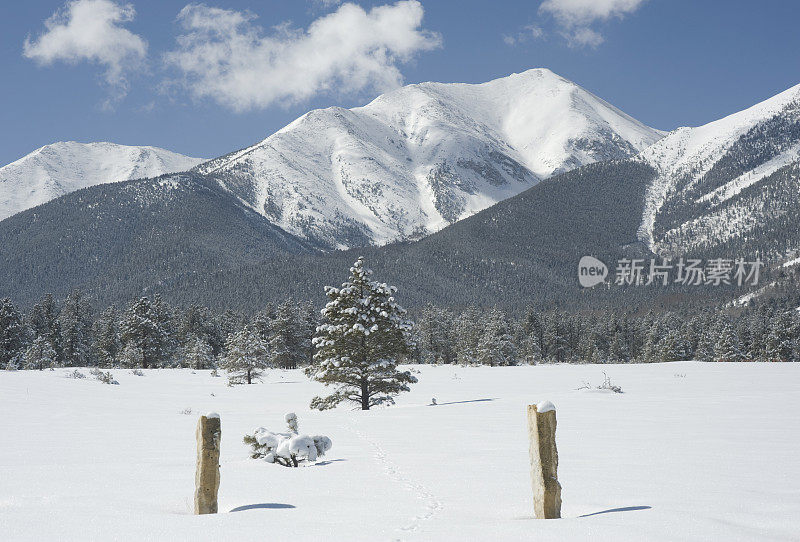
209, 433
544, 460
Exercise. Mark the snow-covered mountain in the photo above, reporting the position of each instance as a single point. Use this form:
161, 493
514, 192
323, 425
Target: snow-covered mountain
54, 170
731, 178
424, 156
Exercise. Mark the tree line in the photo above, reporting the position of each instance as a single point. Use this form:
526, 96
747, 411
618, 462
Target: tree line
149, 333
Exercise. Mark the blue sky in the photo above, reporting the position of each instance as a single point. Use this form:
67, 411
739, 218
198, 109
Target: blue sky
207, 79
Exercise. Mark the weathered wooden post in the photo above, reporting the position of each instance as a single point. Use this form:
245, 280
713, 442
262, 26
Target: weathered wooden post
209, 433
544, 461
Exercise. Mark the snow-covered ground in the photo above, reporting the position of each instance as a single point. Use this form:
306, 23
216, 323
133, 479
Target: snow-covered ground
690, 451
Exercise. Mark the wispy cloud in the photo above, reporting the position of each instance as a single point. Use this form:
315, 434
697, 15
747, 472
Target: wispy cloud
91, 30
225, 56
576, 17
529, 32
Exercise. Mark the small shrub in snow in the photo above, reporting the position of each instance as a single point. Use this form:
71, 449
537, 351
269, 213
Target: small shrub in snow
137, 372
186, 411
606, 385
76, 374
287, 449
104, 377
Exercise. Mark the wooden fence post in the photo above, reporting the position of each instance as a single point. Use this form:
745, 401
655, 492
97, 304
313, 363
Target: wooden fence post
209, 433
544, 461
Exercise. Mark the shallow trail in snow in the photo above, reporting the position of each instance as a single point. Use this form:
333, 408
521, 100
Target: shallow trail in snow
432, 504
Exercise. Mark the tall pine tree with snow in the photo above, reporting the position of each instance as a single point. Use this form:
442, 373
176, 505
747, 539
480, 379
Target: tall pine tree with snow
364, 335
782, 339
76, 334
246, 356
39, 355
106, 344
496, 345
13, 334
728, 347
197, 353
44, 322
142, 328
284, 343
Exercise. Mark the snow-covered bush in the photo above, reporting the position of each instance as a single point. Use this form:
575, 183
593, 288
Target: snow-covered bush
76, 374
104, 377
137, 372
288, 449
607, 385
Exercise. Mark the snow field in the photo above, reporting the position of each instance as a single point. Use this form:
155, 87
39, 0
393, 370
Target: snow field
681, 455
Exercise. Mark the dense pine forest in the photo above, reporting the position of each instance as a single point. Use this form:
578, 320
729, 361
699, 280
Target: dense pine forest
149, 333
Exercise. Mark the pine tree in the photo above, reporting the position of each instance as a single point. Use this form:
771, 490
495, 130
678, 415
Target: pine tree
167, 342
728, 347
283, 340
467, 334
496, 345
364, 335
44, 323
13, 333
433, 332
307, 326
199, 322
76, 330
39, 355
131, 356
140, 328
197, 353
555, 339
106, 344
782, 339
245, 356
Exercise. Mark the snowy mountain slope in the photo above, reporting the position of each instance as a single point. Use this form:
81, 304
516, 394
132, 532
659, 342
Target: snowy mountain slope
424, 156
54, 170
714, 180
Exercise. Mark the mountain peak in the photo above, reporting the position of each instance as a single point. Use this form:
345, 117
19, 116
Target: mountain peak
424, 156
65, 166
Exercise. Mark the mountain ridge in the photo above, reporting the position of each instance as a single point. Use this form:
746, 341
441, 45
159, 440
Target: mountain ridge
423, 156
65, 166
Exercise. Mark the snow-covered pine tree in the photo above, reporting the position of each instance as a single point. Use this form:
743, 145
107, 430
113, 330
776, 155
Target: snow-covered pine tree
555, 339
283, 340
364, 335
245, 357
197, 353
130, 356
167, 339
782, 339
198, 321
496, 345
39, 355
728, 347
307, 325
13, 333
44, 322
467, 333
140, 328
76, 330
433, 330
106, 343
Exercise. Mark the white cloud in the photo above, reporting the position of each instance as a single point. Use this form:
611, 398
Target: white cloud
90, 30
528, 32
577, 16
583, 36
326, 3
223, 55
